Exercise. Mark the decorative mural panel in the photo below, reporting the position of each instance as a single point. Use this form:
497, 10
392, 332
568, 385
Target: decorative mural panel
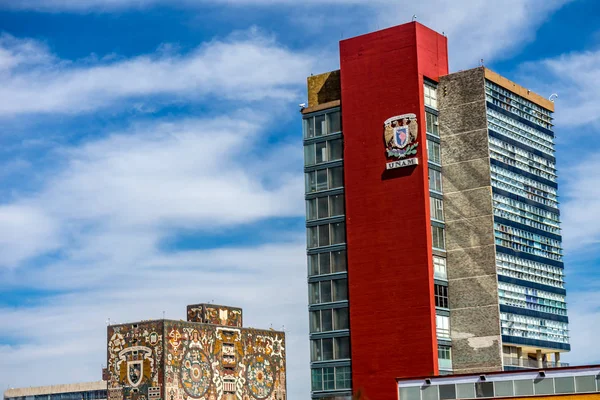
178, 360
214, 314
210, 362
135, 361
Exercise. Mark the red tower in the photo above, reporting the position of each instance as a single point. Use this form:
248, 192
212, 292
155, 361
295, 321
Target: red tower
389, 243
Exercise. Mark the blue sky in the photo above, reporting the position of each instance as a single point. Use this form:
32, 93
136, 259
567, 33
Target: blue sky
150, 158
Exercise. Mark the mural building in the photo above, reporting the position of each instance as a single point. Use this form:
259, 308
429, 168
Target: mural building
209, 357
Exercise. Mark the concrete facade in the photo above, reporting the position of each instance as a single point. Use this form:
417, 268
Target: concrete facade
471, 263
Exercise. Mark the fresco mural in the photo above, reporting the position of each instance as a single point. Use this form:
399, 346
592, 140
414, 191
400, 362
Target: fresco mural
214, 314
179, 360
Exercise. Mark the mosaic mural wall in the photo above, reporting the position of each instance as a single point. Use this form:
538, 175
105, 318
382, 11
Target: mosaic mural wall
214, 314
134, 366
210, 362
178, 360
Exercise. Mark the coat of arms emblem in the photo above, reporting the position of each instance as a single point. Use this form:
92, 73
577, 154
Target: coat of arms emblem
135, 372
400, 133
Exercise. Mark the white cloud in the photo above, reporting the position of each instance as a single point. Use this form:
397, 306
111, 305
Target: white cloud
476, 29
15, 52
584, 323
25, 231
581, 207
246, 66
572, 76
270, 288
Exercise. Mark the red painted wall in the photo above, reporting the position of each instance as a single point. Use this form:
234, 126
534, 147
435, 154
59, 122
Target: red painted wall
390, 272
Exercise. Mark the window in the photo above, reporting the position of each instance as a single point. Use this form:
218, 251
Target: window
484, 389
435, 180
324, 124
447, 392
441, 296
325, 235
430, 96
331, 378
442, 323
325, 207
324, 179
439, 268
437, 208
328, 291
444, 353
330, 349
316, 153
434, 152
334, 122
432, 124
329, 320
438, 238
327, 263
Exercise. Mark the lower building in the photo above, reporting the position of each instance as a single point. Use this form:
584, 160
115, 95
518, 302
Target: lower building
567, 382
74, 391
209, 356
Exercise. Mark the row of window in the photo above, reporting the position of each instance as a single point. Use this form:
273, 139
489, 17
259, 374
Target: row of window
327, 263
510, 298
326, 235
524, 182
328, 320
525, 108
515, 302
325, 207
321, 125
331, 378
517, 264
527, 291
526, 249
526, 210
324, 179
523, 159
524, 104
328, 291
536, 134
494, 154
520, 132
525, 221
317, 153
525, 156
499, 182
511, 388
527, 238
88, 395
525, 333
327, 349
534, 323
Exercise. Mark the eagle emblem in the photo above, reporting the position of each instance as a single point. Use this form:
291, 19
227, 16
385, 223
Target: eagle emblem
400, 134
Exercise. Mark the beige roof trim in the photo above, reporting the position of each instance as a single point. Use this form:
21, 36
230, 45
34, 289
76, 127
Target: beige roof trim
67, 388
320, 107
518, 89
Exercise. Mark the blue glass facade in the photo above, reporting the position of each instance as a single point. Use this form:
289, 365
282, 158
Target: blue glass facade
529, 257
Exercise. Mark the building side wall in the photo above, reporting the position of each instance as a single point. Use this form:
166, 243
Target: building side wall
222, 362
392, 312
472, 280
215, 314
134, 361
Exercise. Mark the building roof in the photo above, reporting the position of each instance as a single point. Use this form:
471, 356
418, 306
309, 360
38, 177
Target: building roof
53, 389
518, 89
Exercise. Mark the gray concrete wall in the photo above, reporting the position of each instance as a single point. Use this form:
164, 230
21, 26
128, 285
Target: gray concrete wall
472, 281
